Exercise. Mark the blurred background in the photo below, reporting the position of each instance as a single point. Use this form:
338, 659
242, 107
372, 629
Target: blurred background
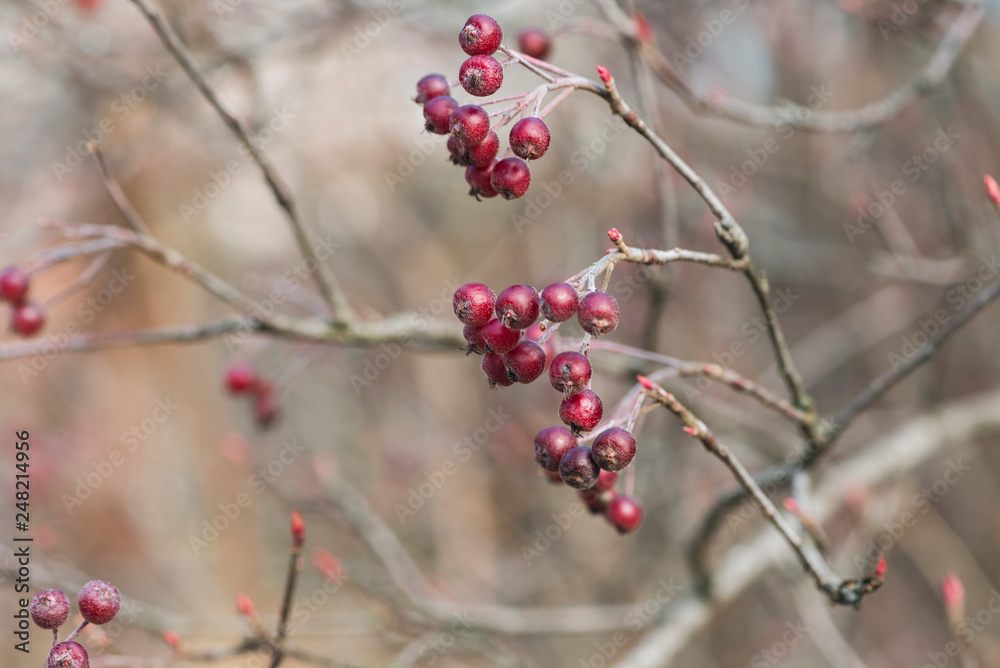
327, 88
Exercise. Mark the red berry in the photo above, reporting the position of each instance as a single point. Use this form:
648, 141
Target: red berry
482, 154
606, 480
577, 468
474, 337
597, 501
570, 372
481, 75
437, 114
534, 42
469, 124
551, 444
517, 306
581, 411
493, 366
614, 449
625, 513
526, 362
553, 477
50, 608
534, 333
500, 339
240, 378
13, 285
473, 304
432, 86
511, 178
479, 180
529, 138
99, 602
68, 655
481, 35
456, 152
598, 313
27, 318
265, 405
559, 302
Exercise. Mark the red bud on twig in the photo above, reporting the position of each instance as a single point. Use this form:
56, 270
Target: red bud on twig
298, 530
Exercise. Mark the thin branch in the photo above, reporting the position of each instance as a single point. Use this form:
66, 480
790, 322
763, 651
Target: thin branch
116, 192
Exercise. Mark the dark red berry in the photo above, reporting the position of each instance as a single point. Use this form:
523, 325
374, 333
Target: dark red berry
437, 114
559, 302
606, 480
13, 285
482, 154
598, 313
597, 501
614, 449
27, 318
50, 608
500, 339
68, 655
577, 468
553, 477
551, 444
240, 378
469, 124
265, 405
456, 152
570, 372
517, 306
481, 35
511, 178
481, 75
534, 333
432, 86
99, 602
480, 180
473, 304
526, 362
534, 42
581, 411
493, 366
529, 138
625, 513
474, 337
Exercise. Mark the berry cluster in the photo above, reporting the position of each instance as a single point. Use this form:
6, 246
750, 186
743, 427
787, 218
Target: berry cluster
494, 328
27, 317
473, 143
99, 602
241, 379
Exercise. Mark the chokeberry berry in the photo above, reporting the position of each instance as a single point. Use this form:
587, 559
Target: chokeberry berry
526, 362
534, 42
511, 178
473, 304
469, 124
597, 500
495, 370
13, 285
577, 468
581, 411
517, 306
535, 333
50, 609
614, 449
480, 180
481, 35
500, 339
481, 75
27, 318
68, 655
598, 313
265, 405
559, 302
240, 378
482, 154
570, 372
529, 138
625, 513
551, 444
456, 152
474, 337
432, 86
99, 602
437, 114
606, 480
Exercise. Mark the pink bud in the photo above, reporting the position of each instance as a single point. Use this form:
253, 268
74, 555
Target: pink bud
880, 569
604, 74
245, 605
992, 190
614, 235
645, 382
643, 30
172, 639
690, 431
298, 530
327, 564
791, 505
952, 591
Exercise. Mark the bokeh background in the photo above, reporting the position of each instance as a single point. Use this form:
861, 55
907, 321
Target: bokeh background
380, 191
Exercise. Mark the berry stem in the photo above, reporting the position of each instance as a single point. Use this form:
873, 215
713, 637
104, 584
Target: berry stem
76, 631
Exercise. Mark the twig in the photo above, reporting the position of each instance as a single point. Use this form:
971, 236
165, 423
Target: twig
118, 195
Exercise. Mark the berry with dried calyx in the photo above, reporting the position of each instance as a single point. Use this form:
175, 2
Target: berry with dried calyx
517, 306
480, 180
474, 337
50, 609
480, 36
625, 513
534, 42
577, 468
473, 304
430, 87
511, 178
525, 362
68, 655
581, 411
99, 602
559, 302
481, 75
570, 372
551, 444
500, 339
614, 449
529, 138
469, 124
437, 114
456, 152
598, 313
495, 370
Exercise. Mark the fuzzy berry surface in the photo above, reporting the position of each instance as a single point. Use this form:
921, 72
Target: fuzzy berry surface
517, 307
534, 42
598, 313
432, 86
624, 513
551, 444
480, 36
480, 180
581, 411
50, 609
469, 124
473, 304
99, 602
511, 178
614, 449
27, 318
13, 285
526, 362
529, 138
437, 114
577, 468
570, 372
68, 655
481, 76
559, 302
483, 153
474, 337
500, 339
